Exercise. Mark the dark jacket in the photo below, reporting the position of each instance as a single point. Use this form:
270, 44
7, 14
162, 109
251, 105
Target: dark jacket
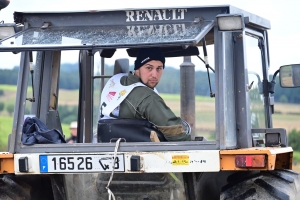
145, 103
36, 132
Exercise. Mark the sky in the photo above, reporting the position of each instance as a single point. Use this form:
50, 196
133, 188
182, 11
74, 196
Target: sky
284, 35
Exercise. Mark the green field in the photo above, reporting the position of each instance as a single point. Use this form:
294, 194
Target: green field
5, 130
8, 88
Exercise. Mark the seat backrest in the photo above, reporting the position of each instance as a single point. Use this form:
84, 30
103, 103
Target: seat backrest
131, 130
121, 65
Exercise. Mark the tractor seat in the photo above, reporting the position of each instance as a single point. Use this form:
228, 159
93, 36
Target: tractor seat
130, 130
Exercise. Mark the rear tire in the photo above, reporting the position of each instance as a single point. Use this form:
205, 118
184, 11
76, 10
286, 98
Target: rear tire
34, 187
277, 184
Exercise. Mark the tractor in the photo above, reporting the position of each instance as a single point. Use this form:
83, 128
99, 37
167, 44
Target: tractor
247, 158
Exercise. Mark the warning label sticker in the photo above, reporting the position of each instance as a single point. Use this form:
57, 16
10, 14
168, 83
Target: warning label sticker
180, 160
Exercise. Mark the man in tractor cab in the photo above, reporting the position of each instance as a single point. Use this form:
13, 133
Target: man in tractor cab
133, 96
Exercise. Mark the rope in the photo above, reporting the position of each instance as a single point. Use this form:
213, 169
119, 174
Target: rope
110, 193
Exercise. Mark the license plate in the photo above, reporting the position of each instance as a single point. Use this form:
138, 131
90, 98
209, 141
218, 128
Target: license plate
81, 163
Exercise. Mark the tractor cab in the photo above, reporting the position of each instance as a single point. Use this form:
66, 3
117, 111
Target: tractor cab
93, 38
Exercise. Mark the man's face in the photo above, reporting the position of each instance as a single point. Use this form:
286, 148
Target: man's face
150, 73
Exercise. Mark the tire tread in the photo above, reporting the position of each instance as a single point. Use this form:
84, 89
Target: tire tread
277, 184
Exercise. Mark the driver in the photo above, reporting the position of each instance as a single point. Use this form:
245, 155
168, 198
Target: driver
134, 96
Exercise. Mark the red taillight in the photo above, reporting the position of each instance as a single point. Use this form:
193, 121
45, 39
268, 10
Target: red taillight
250, 160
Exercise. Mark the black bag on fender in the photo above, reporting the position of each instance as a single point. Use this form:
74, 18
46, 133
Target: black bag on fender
36, 132
132, 130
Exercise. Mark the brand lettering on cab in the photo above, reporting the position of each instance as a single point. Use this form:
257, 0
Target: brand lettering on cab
155, 15
147, 30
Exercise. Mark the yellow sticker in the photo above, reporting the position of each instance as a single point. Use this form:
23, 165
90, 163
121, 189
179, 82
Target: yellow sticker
123, 92
180, 160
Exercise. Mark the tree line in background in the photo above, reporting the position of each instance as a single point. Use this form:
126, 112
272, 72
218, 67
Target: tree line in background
69, 79
9, 108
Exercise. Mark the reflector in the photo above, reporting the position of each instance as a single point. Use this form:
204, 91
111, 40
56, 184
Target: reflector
250, 160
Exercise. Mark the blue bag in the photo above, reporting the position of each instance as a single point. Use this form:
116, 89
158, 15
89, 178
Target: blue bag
36, 132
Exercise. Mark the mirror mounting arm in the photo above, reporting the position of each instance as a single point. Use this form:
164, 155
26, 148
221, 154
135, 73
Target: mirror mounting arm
271, 85
207, 66
31, 72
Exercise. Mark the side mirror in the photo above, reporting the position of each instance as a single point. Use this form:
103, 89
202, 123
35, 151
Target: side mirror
289, 76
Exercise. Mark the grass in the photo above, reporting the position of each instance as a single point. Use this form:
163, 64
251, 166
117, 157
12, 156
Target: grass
5, 129
9, 88
296, 159
285, 108
176, 97
68, 97
296, 156
66, 130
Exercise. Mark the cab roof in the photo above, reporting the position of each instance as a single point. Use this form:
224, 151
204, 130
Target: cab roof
126, 28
